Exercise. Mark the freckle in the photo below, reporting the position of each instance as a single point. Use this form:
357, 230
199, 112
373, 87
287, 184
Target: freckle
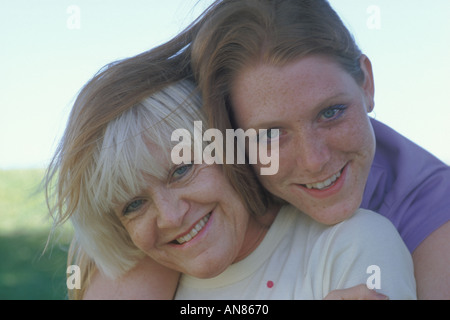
269, 284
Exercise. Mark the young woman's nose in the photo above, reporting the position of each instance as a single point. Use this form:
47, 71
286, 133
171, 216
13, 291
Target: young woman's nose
171, 209
312, 152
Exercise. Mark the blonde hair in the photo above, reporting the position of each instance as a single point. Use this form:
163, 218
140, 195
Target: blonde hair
103, 155
102, 152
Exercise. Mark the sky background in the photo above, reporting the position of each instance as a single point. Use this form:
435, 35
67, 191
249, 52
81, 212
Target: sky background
50, 48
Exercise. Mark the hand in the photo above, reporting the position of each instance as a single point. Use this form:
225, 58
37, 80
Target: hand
359, 292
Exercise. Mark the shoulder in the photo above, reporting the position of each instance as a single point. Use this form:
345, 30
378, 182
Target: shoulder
366, 236
365, 231
400, 157
147, 280
408, 185
365, 241
372, 231
366, 221
365, 225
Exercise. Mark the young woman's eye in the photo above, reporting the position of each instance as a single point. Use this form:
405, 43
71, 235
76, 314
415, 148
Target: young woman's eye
333, 112
273, 134
269, 135
134, 206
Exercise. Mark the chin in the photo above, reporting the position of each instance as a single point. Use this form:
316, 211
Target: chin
207, 269
337, 218
205, 274
333, 215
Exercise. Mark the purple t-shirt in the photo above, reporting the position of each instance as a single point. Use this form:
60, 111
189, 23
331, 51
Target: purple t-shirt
407, 185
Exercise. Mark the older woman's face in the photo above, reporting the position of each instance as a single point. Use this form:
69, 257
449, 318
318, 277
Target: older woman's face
193, 221
326, 142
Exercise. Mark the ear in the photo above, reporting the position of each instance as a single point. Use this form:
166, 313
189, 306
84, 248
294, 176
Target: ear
368, 85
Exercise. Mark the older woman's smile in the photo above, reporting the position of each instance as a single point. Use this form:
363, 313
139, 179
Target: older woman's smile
189, 235
194, 221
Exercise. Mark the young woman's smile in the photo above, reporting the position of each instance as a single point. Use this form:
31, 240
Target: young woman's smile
326, 188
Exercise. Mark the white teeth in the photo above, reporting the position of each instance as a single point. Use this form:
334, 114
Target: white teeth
196, 229
324, 184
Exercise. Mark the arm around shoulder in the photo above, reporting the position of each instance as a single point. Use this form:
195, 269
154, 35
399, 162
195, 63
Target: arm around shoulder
148, 280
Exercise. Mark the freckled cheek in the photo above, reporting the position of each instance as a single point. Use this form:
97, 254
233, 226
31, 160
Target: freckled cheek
363, 141
142, 235
358, 142
286, 166
353, 137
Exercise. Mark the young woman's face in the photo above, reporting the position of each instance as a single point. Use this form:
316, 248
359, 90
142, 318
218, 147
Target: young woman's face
326, 142
193, 221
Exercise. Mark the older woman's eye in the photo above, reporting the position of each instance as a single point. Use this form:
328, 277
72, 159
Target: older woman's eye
181, 171
133, 206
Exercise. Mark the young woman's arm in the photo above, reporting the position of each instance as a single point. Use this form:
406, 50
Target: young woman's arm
431, 265
359, 292
148, 280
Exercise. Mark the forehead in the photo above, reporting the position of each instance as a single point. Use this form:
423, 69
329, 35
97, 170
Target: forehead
304, 83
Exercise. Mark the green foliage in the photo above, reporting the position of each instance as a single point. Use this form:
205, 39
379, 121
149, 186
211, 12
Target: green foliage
26, 271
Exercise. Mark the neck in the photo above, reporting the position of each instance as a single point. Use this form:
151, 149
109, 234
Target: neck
256, 231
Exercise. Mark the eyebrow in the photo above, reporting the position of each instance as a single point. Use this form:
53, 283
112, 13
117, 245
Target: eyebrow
324, 103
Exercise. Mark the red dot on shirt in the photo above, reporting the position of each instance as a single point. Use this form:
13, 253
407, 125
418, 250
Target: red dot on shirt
269, 284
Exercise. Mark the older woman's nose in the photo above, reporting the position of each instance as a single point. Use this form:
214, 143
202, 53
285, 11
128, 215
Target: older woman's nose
171, 209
